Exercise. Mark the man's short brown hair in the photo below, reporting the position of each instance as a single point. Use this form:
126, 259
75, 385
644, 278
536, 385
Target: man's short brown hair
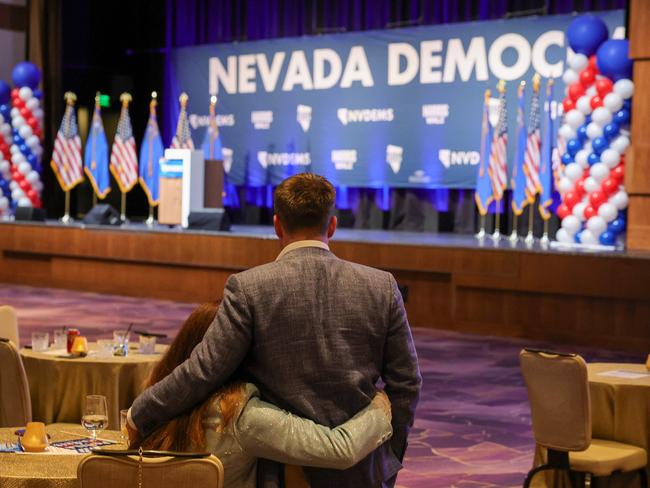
304, 201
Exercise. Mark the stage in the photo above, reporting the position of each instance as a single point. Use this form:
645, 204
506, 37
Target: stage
449, 281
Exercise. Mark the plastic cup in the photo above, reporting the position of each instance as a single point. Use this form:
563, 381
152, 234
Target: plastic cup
104, 348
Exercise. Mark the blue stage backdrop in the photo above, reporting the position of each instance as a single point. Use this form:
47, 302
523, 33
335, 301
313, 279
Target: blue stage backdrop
390, 108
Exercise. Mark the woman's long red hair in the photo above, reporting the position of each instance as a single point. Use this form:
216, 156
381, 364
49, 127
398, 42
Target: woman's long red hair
186, 432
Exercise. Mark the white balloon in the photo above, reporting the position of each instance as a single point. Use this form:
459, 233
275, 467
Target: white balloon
579, 210
5, 167
625, 88
32, 141
597, 225
620, 144
567, 132
578, 62
38, 113
25, 93
4, 204
32, 177
38, 186
584, 105
14, 113
571, 224
591, 91
25, 131
575, 118
594, 130
610, 157
24, 202
613, 102
17, 122
14, 149
570, 77
608, 211
6, 130
588, 237
2, 119
37, 150
599, 171
620, 200
17, 194
563, 236
573, 171
565, 185
582, 158
32, 104
17, 158
13, 185
602, 116
24, 168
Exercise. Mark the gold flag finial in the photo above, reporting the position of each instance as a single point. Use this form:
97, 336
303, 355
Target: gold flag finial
213, 103
549, 84
488, 93
125, 98
70, 98
97, 95
501, 87
153, 102
183, 99
536, 81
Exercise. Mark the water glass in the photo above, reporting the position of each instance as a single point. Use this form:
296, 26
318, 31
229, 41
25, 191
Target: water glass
104, 348
95, 415
40, 341
60, 339
147, 344
121, 342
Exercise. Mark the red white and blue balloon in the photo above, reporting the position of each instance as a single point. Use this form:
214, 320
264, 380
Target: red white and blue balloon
596, 127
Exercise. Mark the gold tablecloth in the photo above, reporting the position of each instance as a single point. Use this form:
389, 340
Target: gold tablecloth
620, 411
45, 470
58, 386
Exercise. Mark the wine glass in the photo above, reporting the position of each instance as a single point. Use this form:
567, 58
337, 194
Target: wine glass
95, 415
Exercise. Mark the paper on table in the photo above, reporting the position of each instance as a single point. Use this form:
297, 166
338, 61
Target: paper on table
624, 373
54, 352
53, 450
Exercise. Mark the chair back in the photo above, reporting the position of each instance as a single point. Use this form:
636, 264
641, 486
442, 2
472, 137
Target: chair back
119, 469
15, 403
558, 392
9, 324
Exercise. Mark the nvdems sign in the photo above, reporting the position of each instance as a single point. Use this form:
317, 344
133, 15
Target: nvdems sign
397, 108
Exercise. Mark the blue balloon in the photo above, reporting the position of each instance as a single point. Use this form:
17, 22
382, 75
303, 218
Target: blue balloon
567, 159
31, 159
573, 146
599, 144
607, 238
5, 110
593, 159
26, 74
38, 94
586, 33
612, 59
5, 92
622, 117
582, 133
23, 148
577, 237
17, 139
616, 226
627, 104
611, 130
622, 214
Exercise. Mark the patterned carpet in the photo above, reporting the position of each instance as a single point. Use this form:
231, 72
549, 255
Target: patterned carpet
472, 426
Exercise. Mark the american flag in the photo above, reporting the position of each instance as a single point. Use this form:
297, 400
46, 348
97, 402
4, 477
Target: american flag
66, 156
498, 166
182, 139
533, 149
124, 160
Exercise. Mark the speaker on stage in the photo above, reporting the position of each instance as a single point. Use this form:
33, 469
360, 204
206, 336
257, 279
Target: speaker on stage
209, 219
102, 214
30, 213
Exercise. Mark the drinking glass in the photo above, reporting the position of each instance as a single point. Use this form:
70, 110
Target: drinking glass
121, 342
60, 339
104, 348
95, 415
40, 341
147, 344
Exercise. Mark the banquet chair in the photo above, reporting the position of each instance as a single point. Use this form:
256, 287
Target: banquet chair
9, 324
15, 402
558, 392
149, 469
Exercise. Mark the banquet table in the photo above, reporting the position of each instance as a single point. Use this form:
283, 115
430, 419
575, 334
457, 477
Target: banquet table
58, 386
620, 411
35, 470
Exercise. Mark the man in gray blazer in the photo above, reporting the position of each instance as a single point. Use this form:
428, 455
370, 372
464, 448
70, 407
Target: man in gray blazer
315, 333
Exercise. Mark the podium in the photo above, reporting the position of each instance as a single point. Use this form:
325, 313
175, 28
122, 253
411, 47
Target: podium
182, 174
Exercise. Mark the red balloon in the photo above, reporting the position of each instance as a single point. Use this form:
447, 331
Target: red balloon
15, 174
25, 112
604, 86
31, 194
587, 77
610, 185
568, 105
618, 173
24, 185
590, 212
576, 90
562, 210
579, 187
593, 64
19, 103
596, 101
597, 198
14, 93
571, 198
32, 121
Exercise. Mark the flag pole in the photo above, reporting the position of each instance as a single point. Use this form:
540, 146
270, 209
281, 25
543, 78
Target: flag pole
94, 198
123, 208
545, 240
150, 220
497, 221
66, 219
481, 230
513, 235
530, 238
